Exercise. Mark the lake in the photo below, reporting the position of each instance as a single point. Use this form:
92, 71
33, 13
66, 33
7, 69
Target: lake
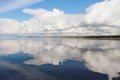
59, 59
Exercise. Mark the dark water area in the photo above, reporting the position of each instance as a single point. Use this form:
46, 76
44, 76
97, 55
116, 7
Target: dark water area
59, 59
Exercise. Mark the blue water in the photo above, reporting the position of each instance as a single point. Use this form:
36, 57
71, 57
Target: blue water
59, 59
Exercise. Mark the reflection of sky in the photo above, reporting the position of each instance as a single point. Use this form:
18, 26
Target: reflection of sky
100, 56
21, 72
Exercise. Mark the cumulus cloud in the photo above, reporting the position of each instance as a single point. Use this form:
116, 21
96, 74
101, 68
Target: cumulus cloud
55, 20
102, 18
9, 26
7, 5
105, 13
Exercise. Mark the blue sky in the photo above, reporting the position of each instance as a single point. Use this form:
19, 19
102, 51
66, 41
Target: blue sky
68, 6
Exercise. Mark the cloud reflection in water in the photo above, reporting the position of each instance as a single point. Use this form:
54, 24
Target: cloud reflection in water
100, 56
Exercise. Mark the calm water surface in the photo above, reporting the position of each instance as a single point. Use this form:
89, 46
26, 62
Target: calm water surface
59, 59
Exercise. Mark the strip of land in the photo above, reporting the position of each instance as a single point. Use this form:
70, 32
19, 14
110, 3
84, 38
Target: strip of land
57, 36
89, 37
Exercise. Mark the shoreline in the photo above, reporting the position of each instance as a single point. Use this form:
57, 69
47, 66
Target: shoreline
85, 37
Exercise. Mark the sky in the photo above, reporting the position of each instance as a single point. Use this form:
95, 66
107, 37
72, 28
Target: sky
68, 6
70, 17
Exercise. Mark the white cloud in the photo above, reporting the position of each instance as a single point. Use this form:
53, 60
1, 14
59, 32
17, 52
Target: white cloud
104, 13
100, 19
55, 20
9, 26
9, 5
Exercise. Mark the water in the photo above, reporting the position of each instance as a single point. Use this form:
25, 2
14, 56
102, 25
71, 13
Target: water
59, 59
